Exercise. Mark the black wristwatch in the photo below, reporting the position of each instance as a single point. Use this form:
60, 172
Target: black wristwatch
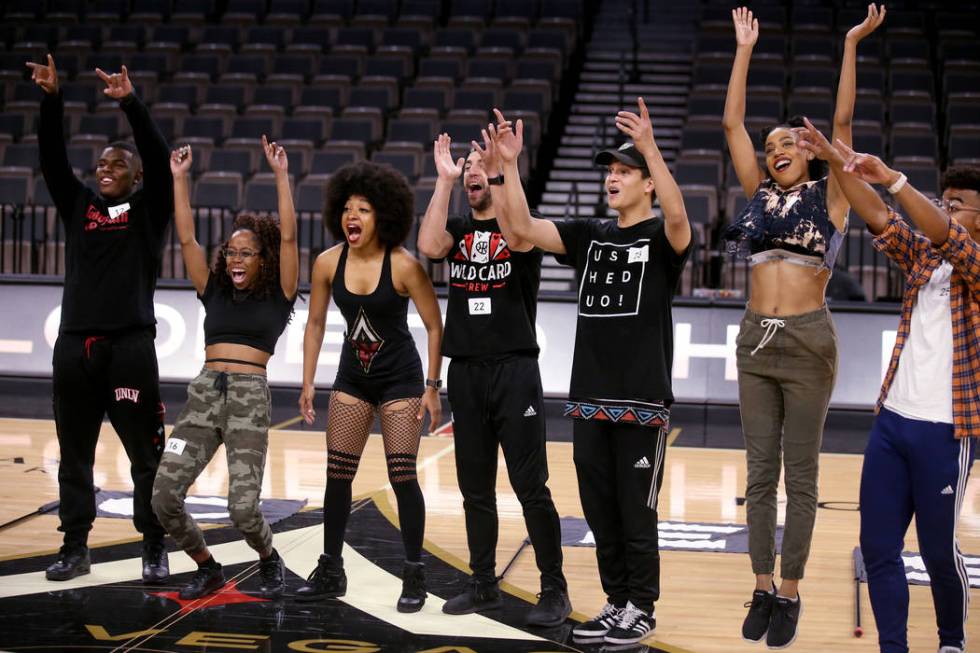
496, 181
434, 383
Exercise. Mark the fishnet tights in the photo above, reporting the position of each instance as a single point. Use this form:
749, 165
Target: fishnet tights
349, 422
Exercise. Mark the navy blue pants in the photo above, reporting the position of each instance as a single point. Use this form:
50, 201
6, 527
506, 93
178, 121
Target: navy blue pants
912, 467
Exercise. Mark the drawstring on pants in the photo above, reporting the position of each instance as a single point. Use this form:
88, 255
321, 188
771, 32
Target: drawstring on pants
221, 384
771, 325
89, 341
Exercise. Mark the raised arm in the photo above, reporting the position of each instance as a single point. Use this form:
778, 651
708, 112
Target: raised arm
513, 214
492, 164
844, 110
894, 237
57, 171
434, 241
640, 129
288, 246
195, 260
316, 324
739, 142
152, 146
931, 220
419, 288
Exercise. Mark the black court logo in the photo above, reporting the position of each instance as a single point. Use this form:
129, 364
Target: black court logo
613, 278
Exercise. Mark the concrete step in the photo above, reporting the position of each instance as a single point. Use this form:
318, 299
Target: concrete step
557, 286
583, 198
578, 174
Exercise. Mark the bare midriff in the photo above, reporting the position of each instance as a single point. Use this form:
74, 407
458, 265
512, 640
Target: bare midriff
783, 289
242, 353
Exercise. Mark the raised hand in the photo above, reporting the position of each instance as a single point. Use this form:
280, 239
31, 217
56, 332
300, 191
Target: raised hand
508, 137
306, 404
811, 140
488, 151
275, 155
446, 168
638, 127
45, 76
181, 160
746, 27
866, 167
117, 85
875, 17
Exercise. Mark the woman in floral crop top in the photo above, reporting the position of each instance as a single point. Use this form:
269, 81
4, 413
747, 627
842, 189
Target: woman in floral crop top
790, 231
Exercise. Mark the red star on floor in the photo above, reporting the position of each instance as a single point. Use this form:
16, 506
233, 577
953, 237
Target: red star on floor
225, 596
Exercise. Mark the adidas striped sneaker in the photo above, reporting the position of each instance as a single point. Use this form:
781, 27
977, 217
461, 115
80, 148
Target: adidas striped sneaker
634, 626
597, 627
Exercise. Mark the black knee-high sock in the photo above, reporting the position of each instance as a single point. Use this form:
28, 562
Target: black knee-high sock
411, 516
336, 510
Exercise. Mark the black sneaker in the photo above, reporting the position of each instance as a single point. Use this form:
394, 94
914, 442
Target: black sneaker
634, 626
478, 596
208, 579
760, 611
72, 561
327, 581
784, 621
552, 609
413, 587
601, 624
273, 576
156, 564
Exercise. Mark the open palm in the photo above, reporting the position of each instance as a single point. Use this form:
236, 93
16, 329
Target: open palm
746, 26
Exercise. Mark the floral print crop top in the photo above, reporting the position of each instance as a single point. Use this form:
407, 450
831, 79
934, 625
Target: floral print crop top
794, 220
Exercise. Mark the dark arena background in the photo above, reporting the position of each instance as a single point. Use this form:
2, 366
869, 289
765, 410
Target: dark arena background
338, 81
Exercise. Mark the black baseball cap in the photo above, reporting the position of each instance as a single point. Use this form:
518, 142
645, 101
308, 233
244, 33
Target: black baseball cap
625, 153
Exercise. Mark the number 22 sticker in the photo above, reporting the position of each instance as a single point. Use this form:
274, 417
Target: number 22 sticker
480, 306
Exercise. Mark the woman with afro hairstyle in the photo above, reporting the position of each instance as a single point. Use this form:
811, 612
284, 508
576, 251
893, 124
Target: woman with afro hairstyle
248, 295
371, 276
790, 231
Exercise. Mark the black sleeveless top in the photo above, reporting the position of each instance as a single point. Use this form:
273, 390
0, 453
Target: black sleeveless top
378, 346
241, 318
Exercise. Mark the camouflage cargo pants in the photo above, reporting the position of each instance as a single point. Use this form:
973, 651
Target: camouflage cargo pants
233, 409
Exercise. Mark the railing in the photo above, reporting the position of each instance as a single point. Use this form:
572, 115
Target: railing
32, 242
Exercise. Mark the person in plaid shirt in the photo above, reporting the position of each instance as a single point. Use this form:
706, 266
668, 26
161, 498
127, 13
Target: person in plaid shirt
923, 440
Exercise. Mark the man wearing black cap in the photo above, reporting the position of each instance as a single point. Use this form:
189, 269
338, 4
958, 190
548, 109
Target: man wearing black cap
620, 394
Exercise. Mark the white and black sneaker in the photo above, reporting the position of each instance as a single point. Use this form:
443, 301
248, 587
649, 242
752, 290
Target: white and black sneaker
634, 626
784, 623
602, 623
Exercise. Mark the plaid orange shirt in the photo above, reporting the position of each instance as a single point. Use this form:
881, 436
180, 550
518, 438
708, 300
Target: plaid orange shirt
918, 259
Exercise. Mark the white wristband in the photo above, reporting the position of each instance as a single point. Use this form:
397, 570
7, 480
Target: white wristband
899, 183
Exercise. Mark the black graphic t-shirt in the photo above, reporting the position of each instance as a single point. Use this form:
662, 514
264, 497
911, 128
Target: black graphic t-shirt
624, 343
492, 292
113, 248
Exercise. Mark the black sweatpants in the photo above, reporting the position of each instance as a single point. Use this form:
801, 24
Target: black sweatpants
499, 403
95, 375
620, 468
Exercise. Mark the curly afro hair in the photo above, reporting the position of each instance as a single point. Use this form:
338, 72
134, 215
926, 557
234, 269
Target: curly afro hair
385, 189
266, 231
816, 168
962, 177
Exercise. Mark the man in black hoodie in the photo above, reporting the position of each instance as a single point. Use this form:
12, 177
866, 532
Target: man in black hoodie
104, 360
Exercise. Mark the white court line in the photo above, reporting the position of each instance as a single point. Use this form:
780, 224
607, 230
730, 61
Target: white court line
16, 346
376, 590
373, 590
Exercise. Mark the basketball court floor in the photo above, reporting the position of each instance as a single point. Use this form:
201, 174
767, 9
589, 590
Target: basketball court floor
704, 583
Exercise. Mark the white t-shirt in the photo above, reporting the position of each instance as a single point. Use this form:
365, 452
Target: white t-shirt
923, 385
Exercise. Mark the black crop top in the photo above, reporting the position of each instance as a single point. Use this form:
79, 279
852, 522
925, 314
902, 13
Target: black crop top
239, 318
